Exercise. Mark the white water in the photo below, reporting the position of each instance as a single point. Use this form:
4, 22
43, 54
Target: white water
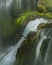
8, 3
39, 46
10, 57
32, 25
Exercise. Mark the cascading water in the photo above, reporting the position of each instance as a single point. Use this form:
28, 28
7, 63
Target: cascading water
39, 46
47, 58
32, 26
9, 56
48, 55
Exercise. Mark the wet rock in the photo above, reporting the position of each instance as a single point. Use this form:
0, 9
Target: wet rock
31, 35
26, 53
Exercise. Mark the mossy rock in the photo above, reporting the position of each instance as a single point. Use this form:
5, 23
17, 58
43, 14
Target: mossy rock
47, 25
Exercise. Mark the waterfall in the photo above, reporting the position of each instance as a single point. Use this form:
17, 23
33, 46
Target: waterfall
45, 35
9, 9
9, 57
32, 26
39, 46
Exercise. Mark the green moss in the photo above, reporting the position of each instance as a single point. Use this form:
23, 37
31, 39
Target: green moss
23, 17
45, 15
31, 16
47, 25
20, 20
41, 26
47, 4
41, 7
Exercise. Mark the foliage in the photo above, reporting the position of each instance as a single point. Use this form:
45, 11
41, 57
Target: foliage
44, 5
31, 15
41, 6
45, 15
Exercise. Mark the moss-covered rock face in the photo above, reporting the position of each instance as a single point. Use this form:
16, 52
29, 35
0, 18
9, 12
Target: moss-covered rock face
26, 53
46, 42
47, 25
47, 32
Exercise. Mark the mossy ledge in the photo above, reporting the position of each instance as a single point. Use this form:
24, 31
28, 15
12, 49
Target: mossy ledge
32, 15
22, 20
